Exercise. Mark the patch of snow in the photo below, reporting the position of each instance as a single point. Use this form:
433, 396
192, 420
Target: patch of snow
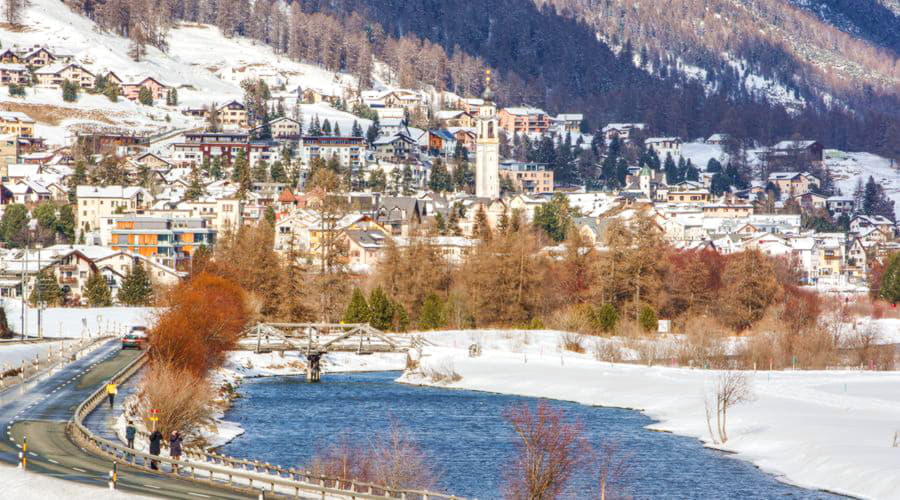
69, 322
27, 485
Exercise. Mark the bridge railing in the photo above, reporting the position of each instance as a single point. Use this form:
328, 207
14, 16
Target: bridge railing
240, 474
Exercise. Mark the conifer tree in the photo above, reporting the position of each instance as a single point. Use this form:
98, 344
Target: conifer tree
112, 91
432, 315
356, 130
337, 129
278, 173
440, 180
399, 317
890, 280
215, 170
69, 91
136, 287
326, 127
261, 171
357, 310
97, 291
46, 289
195, 190
145, 97
381, 313
5, 331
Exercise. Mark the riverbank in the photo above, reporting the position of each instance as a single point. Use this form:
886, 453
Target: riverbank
830, 430
247, 364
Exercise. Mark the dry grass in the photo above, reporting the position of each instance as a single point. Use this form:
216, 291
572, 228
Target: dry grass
572, 342
15, 28
54, 115
863, 306
444, 372
609, 351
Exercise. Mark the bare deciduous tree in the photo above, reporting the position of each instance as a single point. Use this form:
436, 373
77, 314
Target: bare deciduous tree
612, 469
549, 452
732, 388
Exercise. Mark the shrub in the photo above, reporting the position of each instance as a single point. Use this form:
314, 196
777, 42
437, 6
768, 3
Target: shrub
647, 319
204, 319
607, 350
605, 318
572, 342
181, 396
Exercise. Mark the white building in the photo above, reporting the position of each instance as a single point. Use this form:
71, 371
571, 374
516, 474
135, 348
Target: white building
487, 154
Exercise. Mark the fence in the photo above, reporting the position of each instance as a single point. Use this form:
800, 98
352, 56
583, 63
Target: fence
211, 468
11, 374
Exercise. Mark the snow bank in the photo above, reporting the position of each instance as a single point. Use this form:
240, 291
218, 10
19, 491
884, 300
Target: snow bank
829, 430
14, 354
26, 485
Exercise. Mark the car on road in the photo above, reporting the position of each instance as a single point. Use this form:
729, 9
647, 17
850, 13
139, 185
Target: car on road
136, 338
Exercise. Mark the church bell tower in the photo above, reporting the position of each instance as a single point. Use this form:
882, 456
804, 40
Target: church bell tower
487, 153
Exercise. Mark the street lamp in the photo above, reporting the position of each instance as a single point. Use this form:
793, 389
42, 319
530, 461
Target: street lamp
40, 297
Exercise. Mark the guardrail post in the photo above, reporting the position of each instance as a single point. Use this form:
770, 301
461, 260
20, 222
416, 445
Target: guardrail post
113, 476
23, 455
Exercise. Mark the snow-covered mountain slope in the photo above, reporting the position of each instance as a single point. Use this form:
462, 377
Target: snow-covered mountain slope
849, 168
202, 64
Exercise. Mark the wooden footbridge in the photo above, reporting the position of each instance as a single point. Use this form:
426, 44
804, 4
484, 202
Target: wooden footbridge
316, 339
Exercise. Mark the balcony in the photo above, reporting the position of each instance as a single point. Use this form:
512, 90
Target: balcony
71, 280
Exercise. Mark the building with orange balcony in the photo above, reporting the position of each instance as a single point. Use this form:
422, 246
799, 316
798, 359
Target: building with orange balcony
524, 120
169, 241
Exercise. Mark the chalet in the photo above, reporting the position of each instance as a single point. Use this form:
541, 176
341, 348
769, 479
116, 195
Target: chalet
523, 120
455, 118
202, 146
9, 56
529, 178
857, 262
100, 142
132, 91
793, 183
810, 202
727, 210
233, 115
282, 128
54, 75
441, 143
111, 77
39, 58
863, 223
664, 146
622, 131
400, 214
364, 247
687, 194
395, 147
14, 74
466, 136
16, 123
795, 153
569, 122
153, 162
840, 204
315, 96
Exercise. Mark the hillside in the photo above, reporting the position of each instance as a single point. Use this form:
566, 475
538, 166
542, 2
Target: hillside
203, 65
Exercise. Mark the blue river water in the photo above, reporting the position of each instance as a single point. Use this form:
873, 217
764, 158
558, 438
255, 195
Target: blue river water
464, 432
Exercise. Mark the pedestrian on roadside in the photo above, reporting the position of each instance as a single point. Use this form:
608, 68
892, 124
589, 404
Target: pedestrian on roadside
175, 449
156, 438
130, 432
111, 391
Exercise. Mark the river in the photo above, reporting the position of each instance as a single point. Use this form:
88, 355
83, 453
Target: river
464, 432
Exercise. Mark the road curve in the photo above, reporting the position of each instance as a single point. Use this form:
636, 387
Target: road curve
41, 408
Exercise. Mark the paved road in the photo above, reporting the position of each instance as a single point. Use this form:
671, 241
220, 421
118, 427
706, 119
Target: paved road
40, 410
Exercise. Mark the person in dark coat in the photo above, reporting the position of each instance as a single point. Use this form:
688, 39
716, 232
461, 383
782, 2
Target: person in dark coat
155, 444
130, 432
175, 448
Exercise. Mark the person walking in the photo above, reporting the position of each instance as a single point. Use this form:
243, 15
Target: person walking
130, 431
111, 391
156, 438
175, 449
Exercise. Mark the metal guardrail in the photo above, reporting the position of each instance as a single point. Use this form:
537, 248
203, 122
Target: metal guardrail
212, 468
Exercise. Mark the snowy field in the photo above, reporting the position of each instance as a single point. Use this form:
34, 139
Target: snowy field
831, 430
848, 168
12, 355
23, 485
77, 322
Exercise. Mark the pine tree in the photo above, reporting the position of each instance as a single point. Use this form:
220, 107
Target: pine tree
5, 331
215, 171
97, 291
648, 320
432, 316
381, 312
277, 172
315, 128
372, 133
195, 190
890, 280
440, 180
261, 171
136, 287
356, 131
145, 97
399, 317
326, 127
407, 182
69, 91
46, 289
112, 91
13, 222
357, 310
337, 129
